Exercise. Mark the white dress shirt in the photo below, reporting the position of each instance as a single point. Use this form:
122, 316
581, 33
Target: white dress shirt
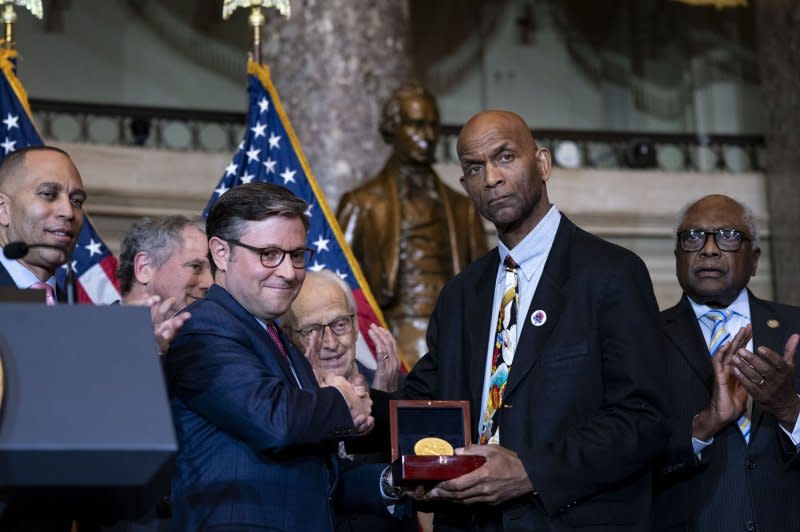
530, 254
740, 318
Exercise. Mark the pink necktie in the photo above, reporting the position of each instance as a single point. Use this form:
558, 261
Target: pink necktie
49, 296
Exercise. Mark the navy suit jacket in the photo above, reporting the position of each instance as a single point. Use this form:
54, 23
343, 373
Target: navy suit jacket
257, 452
584, 404
736, 485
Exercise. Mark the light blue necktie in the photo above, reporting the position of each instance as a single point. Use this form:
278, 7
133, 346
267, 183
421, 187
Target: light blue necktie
717, 319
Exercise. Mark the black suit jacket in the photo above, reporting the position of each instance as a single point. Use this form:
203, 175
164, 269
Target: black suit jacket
583, 407
736, 486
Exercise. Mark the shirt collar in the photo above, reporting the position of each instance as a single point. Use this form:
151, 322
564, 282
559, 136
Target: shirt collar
533, 249
740, 306
21, 275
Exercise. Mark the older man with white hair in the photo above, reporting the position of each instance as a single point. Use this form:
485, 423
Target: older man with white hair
326, 305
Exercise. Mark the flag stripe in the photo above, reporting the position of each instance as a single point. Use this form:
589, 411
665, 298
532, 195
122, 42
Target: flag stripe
262, 73
270, 152
95, 283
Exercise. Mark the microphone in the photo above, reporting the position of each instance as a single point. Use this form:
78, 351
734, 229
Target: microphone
18, 249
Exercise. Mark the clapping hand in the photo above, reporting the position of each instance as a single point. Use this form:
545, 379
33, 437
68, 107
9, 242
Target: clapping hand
166, 323
728, 396
387, 374
770, 380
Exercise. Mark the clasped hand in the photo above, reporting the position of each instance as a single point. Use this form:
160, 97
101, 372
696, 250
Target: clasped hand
355, 391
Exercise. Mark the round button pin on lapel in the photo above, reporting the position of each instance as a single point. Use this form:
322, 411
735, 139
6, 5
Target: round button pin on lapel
538, 318
773, 324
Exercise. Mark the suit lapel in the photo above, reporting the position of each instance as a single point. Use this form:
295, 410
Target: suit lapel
265, 348
548, 297
302, 367
761, 313
478, 305
682, 329
5, 277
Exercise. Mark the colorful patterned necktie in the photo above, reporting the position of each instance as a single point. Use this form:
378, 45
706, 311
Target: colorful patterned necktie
505, 342
49, 296
717, 319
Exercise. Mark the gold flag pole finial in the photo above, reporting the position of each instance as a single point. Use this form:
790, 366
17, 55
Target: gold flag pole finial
257, 18
10, 17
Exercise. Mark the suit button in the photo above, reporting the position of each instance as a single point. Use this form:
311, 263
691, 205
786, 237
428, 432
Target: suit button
749, 525
749, 464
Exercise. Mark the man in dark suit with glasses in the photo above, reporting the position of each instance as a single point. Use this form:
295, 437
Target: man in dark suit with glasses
257, 434
732, 462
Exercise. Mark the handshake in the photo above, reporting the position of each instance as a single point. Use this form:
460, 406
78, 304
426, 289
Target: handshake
334, 365
356, 395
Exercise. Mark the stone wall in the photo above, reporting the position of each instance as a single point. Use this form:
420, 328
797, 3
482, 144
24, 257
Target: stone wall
635, 209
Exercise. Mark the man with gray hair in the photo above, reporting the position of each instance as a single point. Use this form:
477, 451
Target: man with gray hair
167, 257
164, 264
733, 460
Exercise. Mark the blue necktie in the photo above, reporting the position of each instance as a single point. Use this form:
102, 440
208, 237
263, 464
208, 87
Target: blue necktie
717, 319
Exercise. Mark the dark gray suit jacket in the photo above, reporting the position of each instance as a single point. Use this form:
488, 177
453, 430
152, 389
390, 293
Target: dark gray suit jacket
736, 486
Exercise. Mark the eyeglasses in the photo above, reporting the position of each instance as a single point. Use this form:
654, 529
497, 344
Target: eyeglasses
726, 239
339, 326
272, 257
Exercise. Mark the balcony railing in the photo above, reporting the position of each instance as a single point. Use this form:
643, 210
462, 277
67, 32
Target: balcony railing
215, 131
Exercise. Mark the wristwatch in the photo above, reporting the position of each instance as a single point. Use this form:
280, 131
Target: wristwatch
388, 489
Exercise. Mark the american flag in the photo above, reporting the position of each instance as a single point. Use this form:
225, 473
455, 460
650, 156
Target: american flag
92, 262
270, 152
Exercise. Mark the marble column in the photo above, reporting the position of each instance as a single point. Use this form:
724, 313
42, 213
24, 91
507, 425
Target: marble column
777, 22
334, 63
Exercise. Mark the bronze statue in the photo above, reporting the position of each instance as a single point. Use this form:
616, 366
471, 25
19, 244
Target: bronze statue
409, 231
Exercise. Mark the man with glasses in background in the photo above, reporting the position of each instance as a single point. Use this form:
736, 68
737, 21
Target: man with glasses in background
733, 460
326, 307
257, 433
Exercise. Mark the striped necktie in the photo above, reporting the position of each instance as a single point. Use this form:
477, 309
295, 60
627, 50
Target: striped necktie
717, 319
503, 354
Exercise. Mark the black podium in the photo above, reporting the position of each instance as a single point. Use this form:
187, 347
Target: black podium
85, 425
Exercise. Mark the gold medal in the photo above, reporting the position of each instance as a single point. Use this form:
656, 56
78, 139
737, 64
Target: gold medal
433, 447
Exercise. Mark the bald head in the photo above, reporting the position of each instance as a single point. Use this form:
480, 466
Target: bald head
490, 121
326, 302
12, 169
319, 289
504, 173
